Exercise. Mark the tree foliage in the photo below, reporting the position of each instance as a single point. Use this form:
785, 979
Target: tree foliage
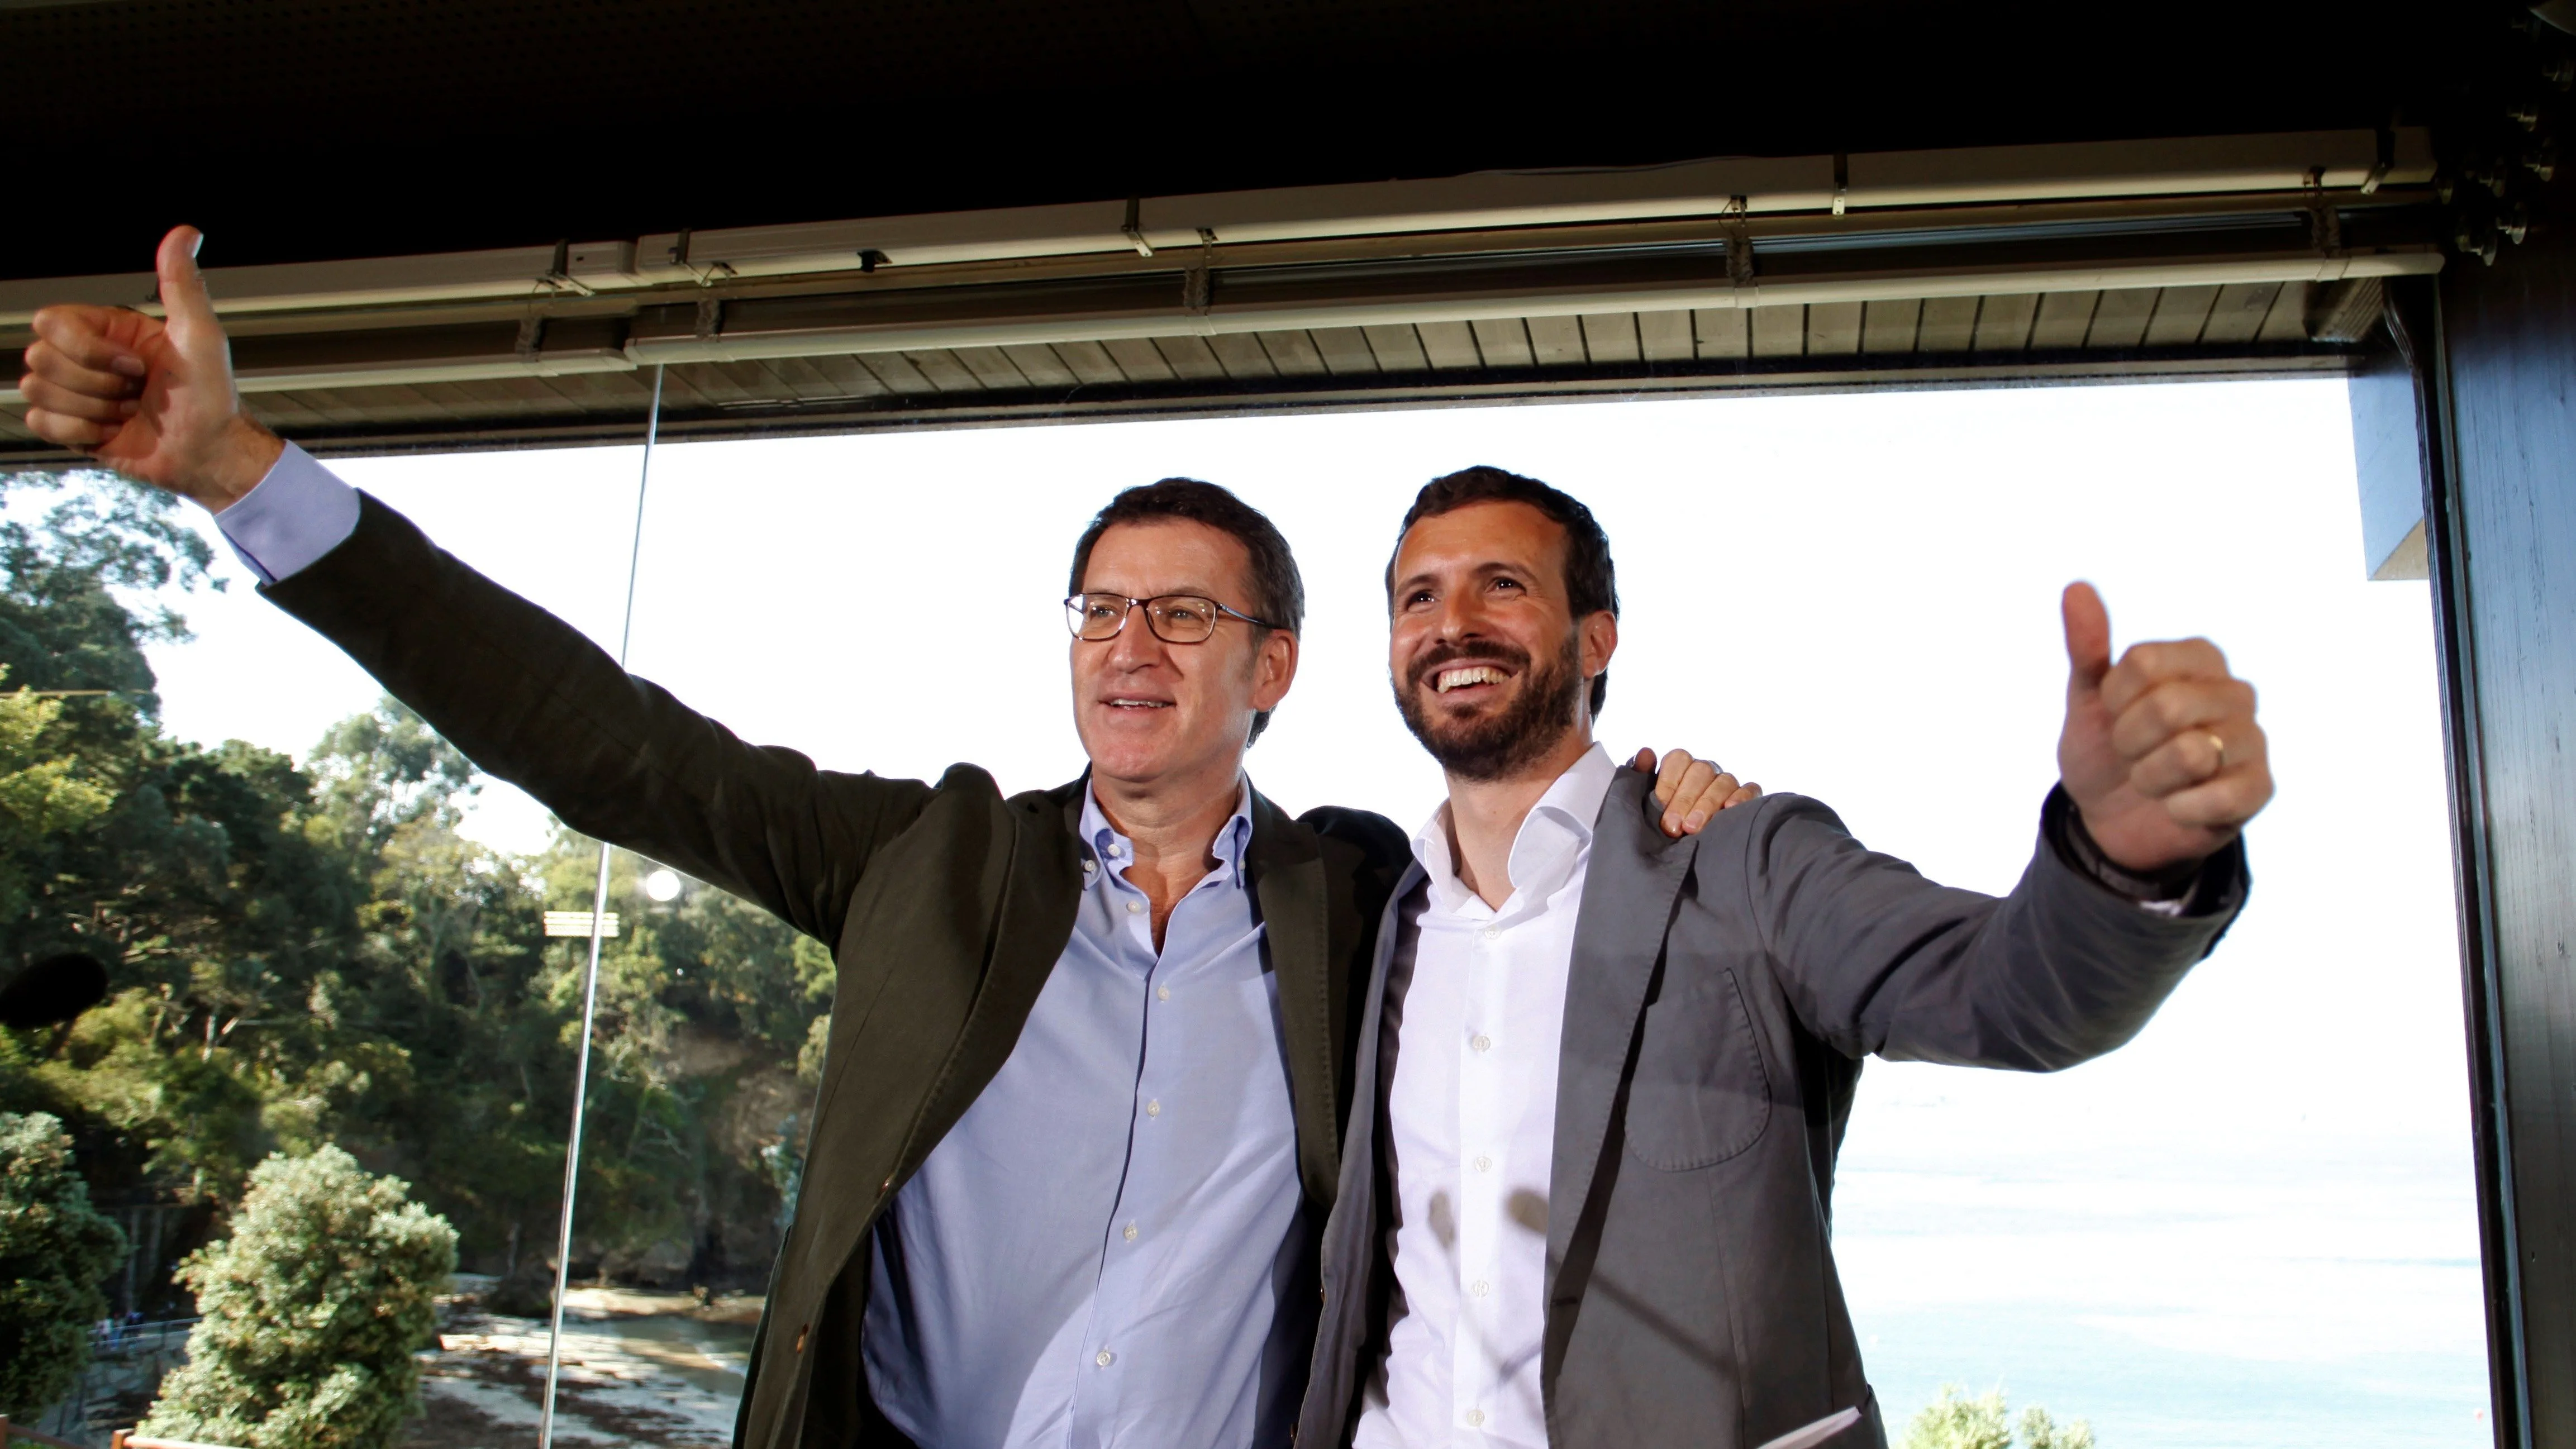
54, 1248
311, 954
1955, 1421
311, 1311
42, 795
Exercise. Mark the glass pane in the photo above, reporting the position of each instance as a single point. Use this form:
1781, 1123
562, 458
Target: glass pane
2253, 1225
2235, 1230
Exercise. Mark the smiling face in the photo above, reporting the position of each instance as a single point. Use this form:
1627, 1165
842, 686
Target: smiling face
1156, 714
1488, 660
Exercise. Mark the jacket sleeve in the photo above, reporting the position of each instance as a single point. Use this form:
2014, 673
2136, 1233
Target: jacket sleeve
528, 699
1876, 959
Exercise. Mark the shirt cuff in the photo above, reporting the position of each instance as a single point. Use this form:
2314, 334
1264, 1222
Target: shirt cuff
299, 512
2168, 892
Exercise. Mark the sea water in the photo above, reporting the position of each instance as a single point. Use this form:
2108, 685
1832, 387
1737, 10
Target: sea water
2224, 1282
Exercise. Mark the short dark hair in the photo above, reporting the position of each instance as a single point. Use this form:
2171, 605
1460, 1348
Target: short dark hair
1278, 591
1591, 583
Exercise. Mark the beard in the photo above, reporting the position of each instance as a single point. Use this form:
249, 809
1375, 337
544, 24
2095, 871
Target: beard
1501, 744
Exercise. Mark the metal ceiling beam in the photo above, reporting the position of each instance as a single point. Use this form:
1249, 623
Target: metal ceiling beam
2338, 164
1744, 378
1525, 272
807, 327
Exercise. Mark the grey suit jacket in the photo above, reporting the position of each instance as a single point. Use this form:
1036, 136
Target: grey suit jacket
1723, 992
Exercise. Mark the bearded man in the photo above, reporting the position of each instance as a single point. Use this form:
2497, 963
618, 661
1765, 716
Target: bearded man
1603, 1073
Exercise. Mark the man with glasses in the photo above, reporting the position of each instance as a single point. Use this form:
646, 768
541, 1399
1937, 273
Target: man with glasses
1091, 1047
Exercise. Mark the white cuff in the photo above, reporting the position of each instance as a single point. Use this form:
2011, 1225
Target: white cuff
299, 512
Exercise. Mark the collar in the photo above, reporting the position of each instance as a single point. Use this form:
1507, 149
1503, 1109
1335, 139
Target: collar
1101, 842
1552, 837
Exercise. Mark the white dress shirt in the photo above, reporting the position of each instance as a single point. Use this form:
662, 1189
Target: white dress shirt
1474, 1013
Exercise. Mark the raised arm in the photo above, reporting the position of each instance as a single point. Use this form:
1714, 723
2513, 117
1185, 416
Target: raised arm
2139, 868
522, 693
532, 701
1876, 959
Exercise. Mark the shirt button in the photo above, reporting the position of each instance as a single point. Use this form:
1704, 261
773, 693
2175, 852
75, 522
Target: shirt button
1484, 1164
1162, 993
1481, 1042
1130, 1233
1480, 1287
1135, 908
1475, 1417
1089, 866
1116, 850
1104, 1358
1490, 933
1154, 1108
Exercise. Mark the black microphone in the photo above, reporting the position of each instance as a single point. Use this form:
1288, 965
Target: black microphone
52, 990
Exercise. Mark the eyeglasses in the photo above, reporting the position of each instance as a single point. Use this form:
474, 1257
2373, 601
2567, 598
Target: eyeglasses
1174, 618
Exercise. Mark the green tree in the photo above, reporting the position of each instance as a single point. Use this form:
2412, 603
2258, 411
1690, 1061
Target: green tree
708, 1011
311, 1311
42, 794
450, 971
70, 545
2038, 1431
171, 863
54, 1250
1954, 1421
310, 955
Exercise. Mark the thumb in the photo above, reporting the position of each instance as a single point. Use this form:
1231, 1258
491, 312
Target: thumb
183, 287
2088, 637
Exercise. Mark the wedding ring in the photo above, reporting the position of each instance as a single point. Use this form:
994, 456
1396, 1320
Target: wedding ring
2219, 745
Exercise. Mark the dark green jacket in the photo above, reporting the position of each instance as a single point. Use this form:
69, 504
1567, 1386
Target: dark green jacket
945, 906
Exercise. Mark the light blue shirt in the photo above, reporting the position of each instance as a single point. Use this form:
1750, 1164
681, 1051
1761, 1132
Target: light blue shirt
1106, 1249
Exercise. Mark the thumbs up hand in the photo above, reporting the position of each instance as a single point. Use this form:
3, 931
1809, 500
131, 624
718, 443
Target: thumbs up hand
2160, 752
152, 399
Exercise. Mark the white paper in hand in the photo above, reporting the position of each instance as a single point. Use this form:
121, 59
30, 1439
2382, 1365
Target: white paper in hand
1817, 1432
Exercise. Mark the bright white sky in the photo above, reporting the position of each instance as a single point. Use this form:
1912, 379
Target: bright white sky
1850, 597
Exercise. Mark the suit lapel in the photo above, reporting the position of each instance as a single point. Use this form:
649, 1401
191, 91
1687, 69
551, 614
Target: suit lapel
1629, 887
1032, 920
1287, 871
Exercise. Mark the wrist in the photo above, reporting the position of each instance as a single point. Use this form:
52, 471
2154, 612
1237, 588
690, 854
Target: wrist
2165, 880
2171, 880
240, 459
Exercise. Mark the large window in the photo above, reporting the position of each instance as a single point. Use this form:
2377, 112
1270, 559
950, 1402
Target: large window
2254, 1225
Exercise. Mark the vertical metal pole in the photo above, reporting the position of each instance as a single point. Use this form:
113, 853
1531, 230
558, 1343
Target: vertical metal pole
2417, 307
590, 979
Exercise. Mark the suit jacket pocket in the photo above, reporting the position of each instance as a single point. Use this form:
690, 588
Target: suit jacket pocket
1700, 1094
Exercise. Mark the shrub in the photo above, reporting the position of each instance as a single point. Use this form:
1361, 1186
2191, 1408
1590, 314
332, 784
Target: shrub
1954, 1421
2038, 1431
54, 1251
311, 1312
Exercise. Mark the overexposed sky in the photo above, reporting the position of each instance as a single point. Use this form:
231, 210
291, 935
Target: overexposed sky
1853, 597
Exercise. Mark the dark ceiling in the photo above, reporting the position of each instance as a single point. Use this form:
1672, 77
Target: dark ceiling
302, 129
